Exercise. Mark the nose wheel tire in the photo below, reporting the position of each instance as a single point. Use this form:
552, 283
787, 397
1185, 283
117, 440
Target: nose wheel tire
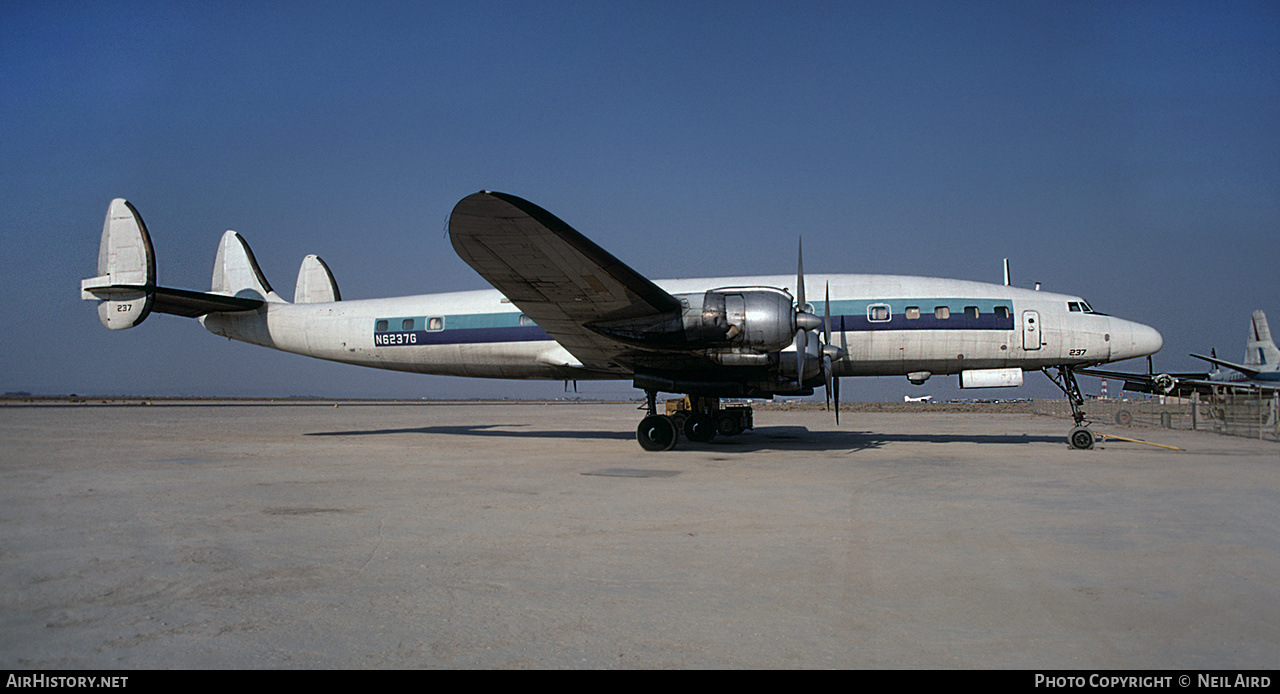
657, 433
1081, 438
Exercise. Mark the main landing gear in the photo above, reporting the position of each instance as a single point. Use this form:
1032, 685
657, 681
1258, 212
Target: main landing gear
699, 418
1080, 437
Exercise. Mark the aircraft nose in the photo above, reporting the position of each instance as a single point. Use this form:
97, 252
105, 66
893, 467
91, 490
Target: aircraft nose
1141, 341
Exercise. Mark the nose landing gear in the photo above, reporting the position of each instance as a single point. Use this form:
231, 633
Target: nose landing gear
1080, 437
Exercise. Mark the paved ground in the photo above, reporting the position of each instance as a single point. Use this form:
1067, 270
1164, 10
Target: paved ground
541, 536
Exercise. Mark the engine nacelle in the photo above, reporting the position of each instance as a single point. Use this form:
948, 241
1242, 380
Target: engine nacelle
727, 320
761, 319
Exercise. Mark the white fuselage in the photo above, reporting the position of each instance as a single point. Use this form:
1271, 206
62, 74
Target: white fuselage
892, 325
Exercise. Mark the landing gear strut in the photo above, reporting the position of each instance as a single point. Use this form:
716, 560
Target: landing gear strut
1080, 437
698, 418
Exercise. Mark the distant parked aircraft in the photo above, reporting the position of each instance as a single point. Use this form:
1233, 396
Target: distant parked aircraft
1259, 372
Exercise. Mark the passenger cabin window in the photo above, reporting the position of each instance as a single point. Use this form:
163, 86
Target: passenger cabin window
380, 326
971, 312
525, 320
1002, 312
912, 312
878, 313
406, 324
941, 312
435, 324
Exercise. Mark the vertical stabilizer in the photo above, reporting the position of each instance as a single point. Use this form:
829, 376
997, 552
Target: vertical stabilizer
126, 281
315, 283
236, 272
1260, 350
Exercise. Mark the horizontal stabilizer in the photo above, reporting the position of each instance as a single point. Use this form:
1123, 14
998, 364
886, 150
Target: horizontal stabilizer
184, 302
125, 287
315, 283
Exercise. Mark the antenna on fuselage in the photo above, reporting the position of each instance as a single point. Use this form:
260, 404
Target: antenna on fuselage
1006, 272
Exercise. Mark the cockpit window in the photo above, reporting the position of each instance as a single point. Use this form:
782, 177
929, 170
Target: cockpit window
1079, 306
1073, 306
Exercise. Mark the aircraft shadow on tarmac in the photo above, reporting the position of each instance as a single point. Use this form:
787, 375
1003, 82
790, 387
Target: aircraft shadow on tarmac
502, 430
760, 438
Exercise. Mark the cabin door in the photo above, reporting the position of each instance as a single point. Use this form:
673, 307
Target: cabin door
1030, 330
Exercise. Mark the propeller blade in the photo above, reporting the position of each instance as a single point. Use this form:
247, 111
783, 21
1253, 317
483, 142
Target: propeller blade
835, 380
800, 277
826, 340
826, 317
801, 341
828, 375
802, 346
835, 395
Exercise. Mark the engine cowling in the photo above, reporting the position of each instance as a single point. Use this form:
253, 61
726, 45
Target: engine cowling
756, 318
748, 320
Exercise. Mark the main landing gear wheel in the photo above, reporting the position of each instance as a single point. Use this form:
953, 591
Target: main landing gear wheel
656, 433
728, 425
1081, 438
699, 428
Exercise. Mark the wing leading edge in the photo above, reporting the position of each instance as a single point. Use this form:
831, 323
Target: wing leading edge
554, 275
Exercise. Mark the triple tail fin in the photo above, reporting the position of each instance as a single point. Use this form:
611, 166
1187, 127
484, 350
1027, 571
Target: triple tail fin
126, 281
125, 287
315, 283
236, 272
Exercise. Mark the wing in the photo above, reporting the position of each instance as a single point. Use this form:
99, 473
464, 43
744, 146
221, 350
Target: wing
554, 274
1248, 371
1179, 384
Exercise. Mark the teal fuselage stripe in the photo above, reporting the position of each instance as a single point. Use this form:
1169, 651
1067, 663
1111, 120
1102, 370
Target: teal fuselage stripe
847, 315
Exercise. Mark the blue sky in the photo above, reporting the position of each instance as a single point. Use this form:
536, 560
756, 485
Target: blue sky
1124, 151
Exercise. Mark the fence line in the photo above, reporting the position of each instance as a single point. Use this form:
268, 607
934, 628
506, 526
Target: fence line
1227, 411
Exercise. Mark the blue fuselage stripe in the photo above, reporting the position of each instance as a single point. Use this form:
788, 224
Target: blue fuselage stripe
459, 336
925, 322
851, 316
